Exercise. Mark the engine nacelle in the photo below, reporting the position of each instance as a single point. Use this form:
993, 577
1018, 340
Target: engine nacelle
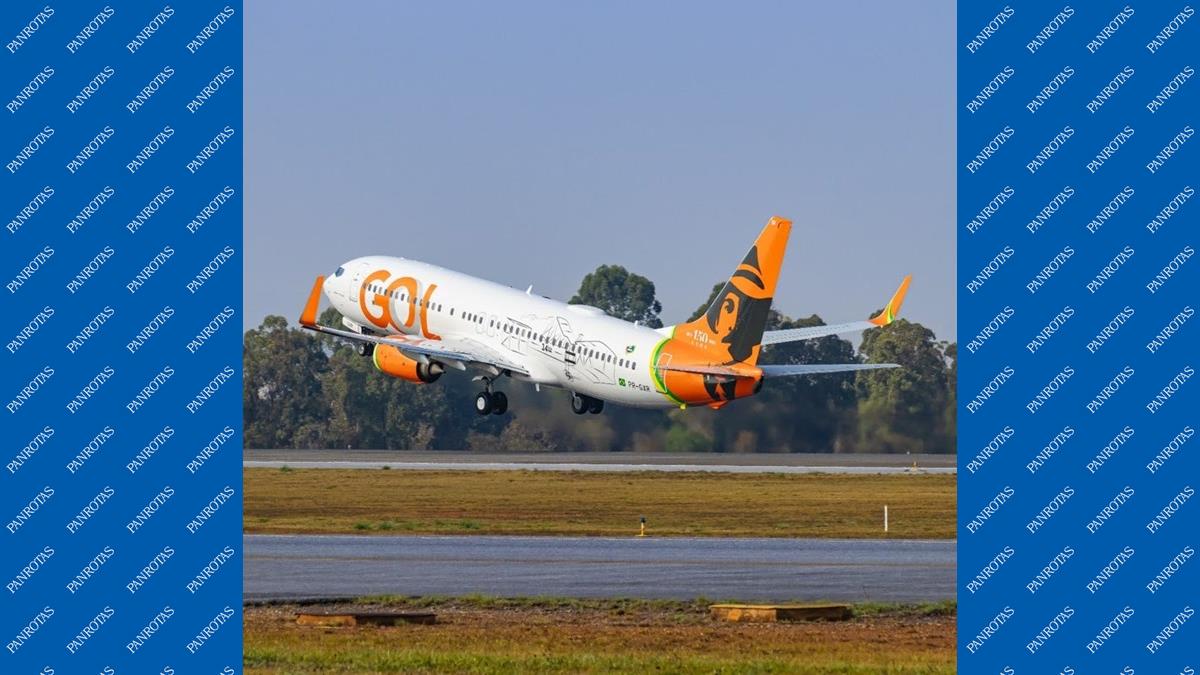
393, 362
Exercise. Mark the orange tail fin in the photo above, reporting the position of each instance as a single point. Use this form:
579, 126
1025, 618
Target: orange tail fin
731, 329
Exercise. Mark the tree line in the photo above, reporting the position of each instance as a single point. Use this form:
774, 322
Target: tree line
304, 390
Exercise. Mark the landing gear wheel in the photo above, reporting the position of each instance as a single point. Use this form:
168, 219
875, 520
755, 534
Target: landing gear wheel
499, 403
483, 403
595, 406
579, 404
366, 349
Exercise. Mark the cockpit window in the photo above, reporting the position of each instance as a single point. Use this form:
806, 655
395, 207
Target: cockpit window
339, 271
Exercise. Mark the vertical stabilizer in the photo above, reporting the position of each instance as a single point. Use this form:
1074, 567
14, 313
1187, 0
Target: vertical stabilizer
731, 329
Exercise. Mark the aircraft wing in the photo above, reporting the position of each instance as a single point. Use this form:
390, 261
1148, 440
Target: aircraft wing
457, 352
885, 317
820, 368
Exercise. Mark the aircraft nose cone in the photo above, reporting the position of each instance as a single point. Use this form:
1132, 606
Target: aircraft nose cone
335, 282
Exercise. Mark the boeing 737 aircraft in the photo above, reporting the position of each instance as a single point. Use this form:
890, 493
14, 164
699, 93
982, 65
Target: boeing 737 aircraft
418, 320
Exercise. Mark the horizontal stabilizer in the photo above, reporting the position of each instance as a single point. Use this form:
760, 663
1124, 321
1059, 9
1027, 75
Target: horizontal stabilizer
703, 369
888, 315
774, 370
773, 337
820, 368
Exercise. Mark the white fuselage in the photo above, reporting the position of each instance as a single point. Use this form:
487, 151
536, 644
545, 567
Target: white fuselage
573, 347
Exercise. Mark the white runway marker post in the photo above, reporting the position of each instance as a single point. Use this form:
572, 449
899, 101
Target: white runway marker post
885, 524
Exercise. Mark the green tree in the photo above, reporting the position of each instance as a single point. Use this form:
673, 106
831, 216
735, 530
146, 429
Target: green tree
950, 351
903, 409
332, 318
620, 293
281, 389
369, 409
712, 295
805, 413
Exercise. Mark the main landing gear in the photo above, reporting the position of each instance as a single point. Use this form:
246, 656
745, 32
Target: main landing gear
490, 402
494, 403
581, 404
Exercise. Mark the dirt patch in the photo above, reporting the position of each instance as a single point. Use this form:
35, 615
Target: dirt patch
598, 636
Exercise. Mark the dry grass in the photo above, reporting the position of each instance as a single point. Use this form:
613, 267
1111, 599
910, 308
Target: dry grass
582, 503
591, 636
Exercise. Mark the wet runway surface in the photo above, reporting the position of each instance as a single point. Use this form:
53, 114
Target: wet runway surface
843, 570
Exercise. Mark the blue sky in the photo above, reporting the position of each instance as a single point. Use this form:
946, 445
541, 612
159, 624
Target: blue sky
529, 142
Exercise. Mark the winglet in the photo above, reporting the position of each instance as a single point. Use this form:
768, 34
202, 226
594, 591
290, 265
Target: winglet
309, 317
892, 309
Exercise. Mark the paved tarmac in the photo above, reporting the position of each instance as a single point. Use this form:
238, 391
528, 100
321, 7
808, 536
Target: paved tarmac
279, 567
600, 461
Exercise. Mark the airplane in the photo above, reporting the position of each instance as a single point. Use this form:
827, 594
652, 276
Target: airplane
417, 320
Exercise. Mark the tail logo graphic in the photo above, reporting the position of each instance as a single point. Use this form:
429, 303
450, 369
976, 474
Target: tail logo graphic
731, 329
739, 311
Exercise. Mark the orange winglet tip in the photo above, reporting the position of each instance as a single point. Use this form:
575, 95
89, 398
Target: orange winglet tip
309, 317
892, 310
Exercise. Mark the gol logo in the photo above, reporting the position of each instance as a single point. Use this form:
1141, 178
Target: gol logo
384, 318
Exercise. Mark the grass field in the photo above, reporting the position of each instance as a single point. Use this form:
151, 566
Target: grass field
592, 636
332, 501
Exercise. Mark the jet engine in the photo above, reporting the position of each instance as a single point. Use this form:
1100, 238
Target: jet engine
393, 362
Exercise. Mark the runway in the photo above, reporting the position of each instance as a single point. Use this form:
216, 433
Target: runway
600, 461
844, 570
